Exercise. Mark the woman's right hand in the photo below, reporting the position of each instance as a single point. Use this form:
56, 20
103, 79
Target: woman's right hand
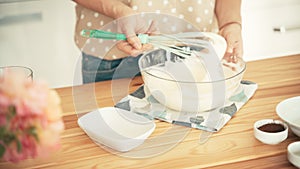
131, 26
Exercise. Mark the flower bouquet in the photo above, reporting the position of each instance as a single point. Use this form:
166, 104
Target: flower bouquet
30, 118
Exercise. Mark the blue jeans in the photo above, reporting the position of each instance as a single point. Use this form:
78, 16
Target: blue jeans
95, 69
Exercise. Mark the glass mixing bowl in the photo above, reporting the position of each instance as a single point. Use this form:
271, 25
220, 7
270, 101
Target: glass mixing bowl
189, 85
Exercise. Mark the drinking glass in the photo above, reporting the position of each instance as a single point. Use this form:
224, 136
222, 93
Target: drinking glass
26, 71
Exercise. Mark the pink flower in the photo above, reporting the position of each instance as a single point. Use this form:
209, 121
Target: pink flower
30, 118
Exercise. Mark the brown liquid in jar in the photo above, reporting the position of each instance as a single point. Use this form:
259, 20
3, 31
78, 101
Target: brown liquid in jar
272, 127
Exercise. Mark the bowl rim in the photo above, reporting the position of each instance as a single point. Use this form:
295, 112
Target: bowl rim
280, 113
202, 82
30, 71
292, 156
267, 121
290, 150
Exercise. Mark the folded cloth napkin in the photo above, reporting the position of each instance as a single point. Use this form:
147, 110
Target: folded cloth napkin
212, 121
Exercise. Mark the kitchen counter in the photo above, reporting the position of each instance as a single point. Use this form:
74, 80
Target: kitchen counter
233, 147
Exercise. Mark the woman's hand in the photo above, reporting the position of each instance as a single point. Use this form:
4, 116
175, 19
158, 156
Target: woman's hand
129, 23
131, 26
233, 36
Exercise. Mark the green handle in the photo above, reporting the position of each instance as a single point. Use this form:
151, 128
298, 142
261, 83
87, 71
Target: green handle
110, 35
103, 34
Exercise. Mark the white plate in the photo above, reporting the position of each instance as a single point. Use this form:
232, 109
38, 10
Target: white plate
116, 128
289, 111
294, 153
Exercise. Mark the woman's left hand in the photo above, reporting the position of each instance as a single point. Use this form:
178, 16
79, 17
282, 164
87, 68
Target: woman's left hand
233, 36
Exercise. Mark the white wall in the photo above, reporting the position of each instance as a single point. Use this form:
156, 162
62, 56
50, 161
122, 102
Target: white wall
260, 17
39, 34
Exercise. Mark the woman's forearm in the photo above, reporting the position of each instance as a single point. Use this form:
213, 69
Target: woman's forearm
112, 8
228, 11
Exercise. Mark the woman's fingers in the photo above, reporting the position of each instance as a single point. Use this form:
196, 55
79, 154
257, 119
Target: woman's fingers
147, 47
233, 37
230, 54
135, 42
126, 47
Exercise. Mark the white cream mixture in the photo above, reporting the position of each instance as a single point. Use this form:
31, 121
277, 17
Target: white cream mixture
191, 96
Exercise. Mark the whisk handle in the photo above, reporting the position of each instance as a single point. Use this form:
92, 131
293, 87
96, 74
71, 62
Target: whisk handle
110, 35
102, 34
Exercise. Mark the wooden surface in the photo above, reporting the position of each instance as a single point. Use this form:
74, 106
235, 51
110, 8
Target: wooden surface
232, 147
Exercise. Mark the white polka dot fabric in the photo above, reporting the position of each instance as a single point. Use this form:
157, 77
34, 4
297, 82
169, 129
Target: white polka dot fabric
172, 16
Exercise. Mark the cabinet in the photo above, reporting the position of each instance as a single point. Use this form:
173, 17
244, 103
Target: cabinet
260, 18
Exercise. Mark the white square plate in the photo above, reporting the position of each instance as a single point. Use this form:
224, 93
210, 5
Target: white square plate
116, 128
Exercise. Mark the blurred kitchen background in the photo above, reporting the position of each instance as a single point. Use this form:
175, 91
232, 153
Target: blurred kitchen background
39, 34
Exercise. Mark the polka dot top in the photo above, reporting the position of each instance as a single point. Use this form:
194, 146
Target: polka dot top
172, 16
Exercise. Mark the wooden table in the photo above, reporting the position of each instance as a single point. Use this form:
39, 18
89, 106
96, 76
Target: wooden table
232, 147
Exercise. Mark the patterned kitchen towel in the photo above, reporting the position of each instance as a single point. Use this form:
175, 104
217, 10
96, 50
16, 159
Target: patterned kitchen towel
211, 121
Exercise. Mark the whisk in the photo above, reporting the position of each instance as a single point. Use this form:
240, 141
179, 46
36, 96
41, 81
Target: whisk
177, 44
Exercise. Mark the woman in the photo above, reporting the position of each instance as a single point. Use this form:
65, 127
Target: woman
167, 16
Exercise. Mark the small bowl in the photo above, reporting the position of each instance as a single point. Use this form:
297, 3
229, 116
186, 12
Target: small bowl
270, 137
116, 128
289, 111
294, 153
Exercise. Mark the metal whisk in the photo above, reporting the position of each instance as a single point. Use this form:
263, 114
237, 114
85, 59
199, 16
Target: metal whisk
177, 44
